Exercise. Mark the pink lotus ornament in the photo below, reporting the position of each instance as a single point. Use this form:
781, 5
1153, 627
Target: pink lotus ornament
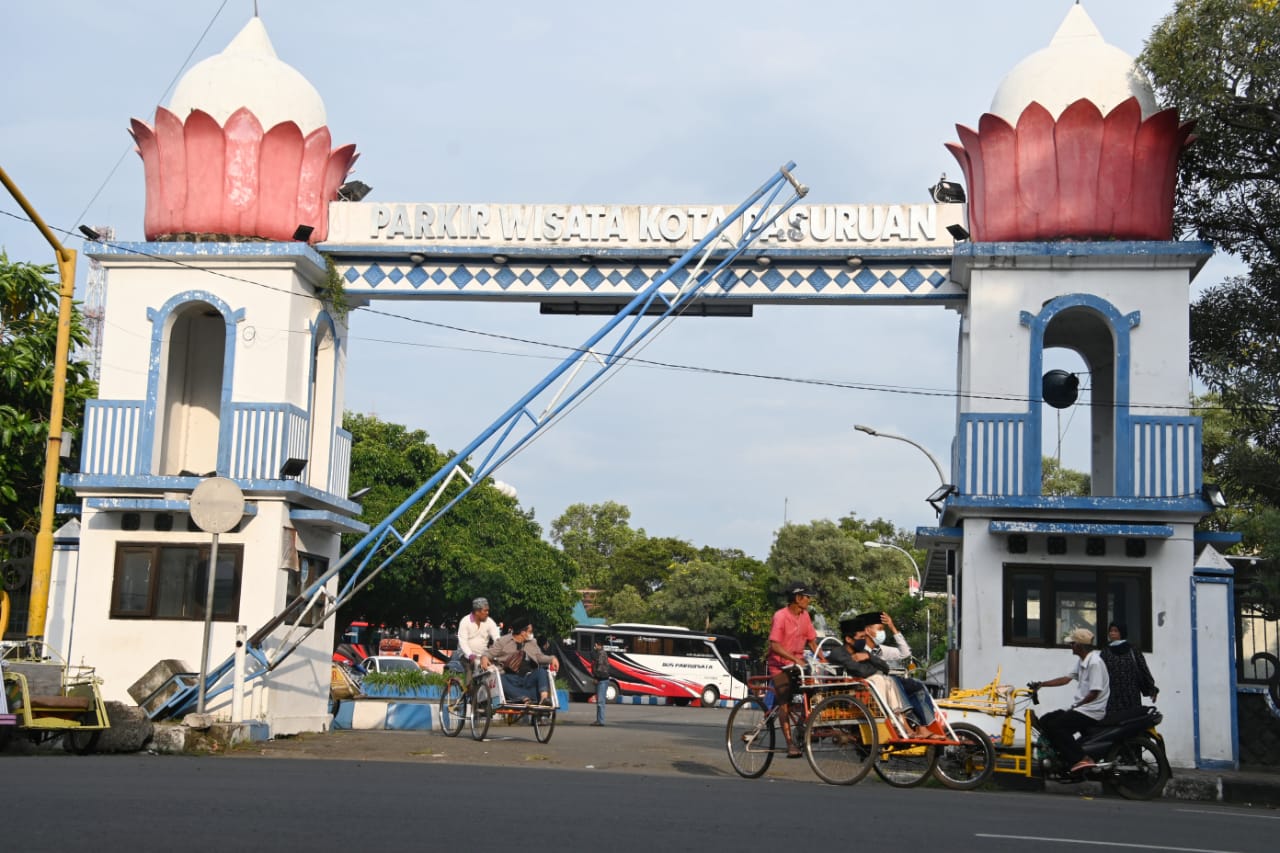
1082, 177
205, 180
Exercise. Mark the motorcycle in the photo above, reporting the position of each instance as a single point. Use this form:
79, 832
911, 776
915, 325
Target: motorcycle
1128, 750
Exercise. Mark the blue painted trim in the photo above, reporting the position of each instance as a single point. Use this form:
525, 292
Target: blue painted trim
1120, 324
1150, 531
158, 369
67, 509
735, 295
291, 490
1110, 248
1229, 619
149, 505
258, 249
1111, 504
324, 518
1216, 537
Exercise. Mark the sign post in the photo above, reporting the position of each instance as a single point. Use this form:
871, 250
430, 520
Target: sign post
217, 505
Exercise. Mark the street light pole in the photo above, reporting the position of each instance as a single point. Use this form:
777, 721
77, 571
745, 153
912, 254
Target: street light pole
928, 628
42, 563
937, 466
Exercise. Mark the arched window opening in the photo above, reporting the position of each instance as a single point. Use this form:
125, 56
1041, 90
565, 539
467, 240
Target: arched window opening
190, 403
1082, 435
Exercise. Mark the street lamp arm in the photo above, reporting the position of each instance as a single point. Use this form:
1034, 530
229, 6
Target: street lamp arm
904, 552
937, 466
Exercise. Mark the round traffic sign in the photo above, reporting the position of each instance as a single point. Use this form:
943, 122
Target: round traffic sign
217, 505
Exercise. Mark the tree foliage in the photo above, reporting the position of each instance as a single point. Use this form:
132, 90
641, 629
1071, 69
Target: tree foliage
590, 536
1218, 62
486, 545
28, 337
1062, 482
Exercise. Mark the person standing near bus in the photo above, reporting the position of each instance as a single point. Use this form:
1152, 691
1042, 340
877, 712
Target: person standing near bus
789, 635
600, 672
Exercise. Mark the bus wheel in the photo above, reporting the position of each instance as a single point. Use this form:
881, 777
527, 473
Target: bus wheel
612, 692
710, 696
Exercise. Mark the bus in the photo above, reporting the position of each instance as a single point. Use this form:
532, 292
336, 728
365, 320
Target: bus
656, 660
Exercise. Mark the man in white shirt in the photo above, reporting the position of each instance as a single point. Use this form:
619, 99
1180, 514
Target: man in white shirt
1093, 688
476, 633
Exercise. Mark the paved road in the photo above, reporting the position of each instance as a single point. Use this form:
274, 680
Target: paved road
654, 779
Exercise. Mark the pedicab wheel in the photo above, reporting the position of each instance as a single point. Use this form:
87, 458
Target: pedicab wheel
749, 737
81, 742
544, 723
481, 713
453, 707
905, 765
968, 764
840, 740
1140, 769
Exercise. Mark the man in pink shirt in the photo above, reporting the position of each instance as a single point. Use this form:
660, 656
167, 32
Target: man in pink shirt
789, 635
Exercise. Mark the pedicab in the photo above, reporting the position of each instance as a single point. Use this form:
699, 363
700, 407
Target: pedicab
844, 730
48, 698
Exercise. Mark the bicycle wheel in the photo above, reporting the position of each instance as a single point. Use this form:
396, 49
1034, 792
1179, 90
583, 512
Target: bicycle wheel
481, 712
749, 737
544, 723
968, 764
905, 765
453, 707
840, 740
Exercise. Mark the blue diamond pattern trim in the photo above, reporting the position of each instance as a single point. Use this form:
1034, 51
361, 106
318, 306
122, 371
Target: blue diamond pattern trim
772, 279
592, 278
548, 277
460, 277
417, 276
505, 277
395, 275
374, 275
637, 278
351, 275
438, 277
865, 279
912, 279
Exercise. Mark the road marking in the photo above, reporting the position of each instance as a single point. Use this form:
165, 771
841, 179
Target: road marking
1230, 813
1102, 843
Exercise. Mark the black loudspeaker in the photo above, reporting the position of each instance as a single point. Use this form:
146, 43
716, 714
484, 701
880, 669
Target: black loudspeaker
130, 521
1095, 546
1057, 545
1017, 544
1060, 388
1135, 547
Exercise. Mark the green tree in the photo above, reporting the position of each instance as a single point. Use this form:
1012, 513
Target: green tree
1218, 62
486, 545
590, 535
28, 336
1060, 481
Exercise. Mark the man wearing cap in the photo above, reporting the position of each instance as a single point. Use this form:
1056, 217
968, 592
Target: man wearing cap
476, 633
1093, 688
523, 665
789, 635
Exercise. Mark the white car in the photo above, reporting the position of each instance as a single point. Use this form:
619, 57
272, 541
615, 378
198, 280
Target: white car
388, 663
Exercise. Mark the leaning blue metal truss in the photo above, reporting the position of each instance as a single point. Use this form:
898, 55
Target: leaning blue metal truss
552, 397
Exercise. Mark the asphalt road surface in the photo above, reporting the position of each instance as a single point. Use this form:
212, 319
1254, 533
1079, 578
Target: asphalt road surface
654, 779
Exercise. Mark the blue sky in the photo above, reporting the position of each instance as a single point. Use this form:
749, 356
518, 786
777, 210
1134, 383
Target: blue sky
676, 103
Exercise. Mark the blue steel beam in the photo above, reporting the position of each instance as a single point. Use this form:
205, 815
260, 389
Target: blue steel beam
543, 404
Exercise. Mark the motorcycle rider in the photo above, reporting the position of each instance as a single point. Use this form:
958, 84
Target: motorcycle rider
1093, 687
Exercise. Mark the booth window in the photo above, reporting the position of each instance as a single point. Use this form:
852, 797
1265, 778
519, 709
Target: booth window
1043, 604
310, 568
171, 582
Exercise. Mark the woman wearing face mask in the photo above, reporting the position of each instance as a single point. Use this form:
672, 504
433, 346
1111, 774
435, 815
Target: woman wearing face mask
1130, 677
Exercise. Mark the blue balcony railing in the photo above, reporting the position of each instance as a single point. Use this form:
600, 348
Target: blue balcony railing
261, 437
992, 454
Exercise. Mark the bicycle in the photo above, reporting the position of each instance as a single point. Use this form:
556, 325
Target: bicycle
479, 698
838, 735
